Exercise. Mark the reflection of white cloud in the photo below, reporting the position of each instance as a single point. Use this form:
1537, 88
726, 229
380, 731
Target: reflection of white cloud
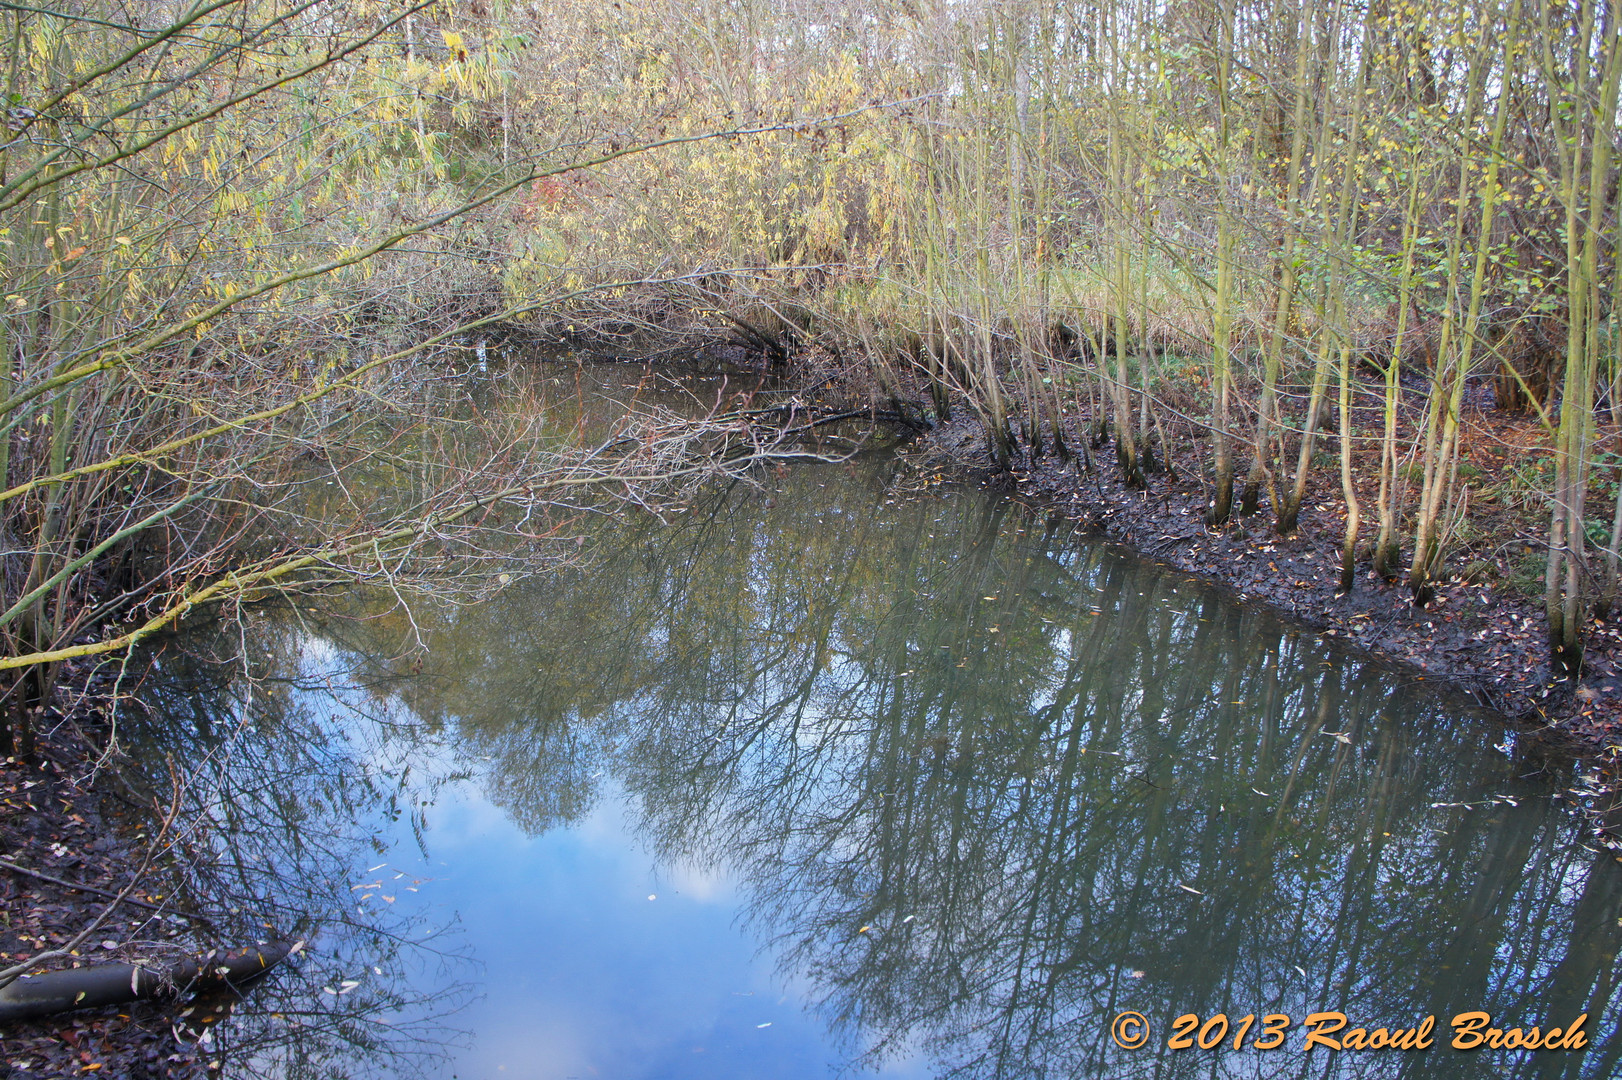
606, 823
527, 1047
316, 654
584, 975
462, 815
695, 883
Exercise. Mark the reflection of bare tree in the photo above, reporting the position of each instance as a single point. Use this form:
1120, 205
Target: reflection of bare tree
280, 796
989, 788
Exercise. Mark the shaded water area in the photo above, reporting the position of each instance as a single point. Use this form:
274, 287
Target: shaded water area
857, 772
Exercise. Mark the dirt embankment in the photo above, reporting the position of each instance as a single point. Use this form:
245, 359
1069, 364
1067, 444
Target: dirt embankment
1484, 631
76, 854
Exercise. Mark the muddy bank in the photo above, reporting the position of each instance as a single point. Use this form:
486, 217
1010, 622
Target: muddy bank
67, 820
1482, 633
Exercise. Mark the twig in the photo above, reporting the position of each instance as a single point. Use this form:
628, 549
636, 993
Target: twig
14, 868
11, 974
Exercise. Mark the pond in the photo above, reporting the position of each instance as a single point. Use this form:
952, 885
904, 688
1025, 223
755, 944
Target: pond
860, 772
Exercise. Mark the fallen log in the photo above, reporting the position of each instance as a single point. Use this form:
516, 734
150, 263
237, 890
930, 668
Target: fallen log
118, 984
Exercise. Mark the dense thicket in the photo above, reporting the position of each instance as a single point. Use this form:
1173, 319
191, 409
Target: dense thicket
1304, 228
243, 246
1301, 229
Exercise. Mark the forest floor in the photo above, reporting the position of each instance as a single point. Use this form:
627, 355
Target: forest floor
66, 820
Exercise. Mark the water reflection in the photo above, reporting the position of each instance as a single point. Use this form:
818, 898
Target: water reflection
984, 785
288, 788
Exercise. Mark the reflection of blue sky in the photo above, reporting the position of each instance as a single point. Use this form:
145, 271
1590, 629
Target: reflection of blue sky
585, 976
582, 975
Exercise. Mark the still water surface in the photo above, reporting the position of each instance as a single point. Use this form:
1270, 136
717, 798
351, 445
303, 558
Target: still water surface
859, 774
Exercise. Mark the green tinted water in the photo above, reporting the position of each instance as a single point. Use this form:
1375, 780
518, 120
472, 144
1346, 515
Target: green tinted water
854, 770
